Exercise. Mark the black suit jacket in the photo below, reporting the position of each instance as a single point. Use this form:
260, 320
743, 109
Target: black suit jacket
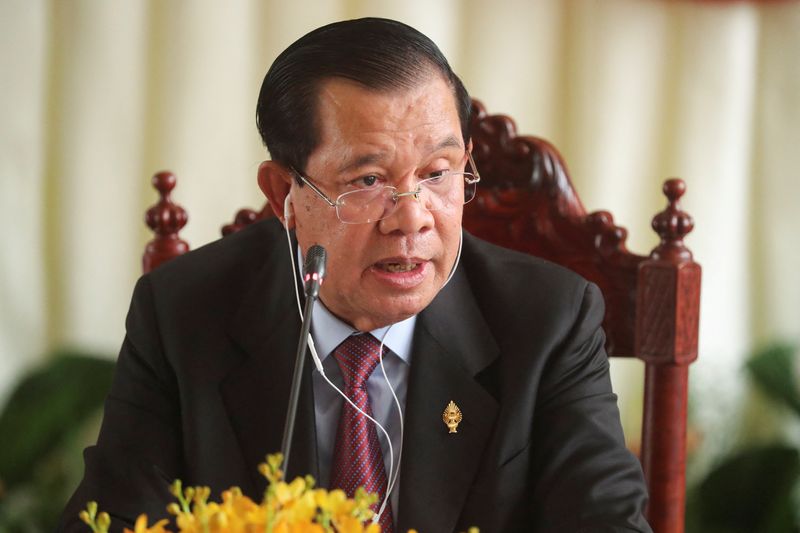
202, 385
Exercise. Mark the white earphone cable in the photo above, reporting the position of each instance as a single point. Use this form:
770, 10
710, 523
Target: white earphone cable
392, 477
394, 473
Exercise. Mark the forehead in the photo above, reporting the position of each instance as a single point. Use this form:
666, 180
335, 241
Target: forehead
352, 119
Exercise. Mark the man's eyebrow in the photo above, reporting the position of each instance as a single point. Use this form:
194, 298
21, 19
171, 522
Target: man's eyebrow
362, 161
449, 142
376, 157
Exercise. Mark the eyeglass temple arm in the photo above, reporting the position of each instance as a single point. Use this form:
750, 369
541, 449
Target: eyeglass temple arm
474, 167
314, 188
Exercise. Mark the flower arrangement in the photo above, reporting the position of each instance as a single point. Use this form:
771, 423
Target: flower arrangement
295, 507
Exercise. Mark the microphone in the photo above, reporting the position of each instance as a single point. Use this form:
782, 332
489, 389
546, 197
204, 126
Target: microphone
313, 276
314, 270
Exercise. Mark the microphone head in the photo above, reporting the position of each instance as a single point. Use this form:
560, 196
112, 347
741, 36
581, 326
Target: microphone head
314, 268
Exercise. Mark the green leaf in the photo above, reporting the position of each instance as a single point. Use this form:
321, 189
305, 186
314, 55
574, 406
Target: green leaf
750, 491
773, 371
46, 407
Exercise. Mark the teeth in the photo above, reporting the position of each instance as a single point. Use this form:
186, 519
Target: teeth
398, 267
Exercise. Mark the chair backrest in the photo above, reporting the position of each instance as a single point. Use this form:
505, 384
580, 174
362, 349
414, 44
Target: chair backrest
526, 202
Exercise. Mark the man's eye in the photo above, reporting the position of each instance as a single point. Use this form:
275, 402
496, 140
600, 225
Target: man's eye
365, 182
438, 173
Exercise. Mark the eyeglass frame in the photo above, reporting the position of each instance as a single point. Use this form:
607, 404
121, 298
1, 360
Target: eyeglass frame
396, 196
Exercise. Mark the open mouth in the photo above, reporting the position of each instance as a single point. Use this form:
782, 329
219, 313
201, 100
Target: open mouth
397, 267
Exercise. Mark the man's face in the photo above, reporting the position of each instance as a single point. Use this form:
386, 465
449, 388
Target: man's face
382, 272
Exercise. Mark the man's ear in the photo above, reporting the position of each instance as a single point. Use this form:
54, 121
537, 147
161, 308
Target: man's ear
276, 184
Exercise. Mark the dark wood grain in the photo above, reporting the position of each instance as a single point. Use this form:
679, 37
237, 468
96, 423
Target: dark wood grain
668, 297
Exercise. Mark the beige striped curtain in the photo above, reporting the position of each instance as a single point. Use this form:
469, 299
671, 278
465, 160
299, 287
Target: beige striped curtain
98, 95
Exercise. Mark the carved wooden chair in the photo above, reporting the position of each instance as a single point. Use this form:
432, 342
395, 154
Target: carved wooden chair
526, 201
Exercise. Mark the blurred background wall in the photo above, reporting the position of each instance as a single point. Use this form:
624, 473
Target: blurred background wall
98, 95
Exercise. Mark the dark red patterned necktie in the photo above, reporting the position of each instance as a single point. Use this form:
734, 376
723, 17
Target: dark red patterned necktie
357, 456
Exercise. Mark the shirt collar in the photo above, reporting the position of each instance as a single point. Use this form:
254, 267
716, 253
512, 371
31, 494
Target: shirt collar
329, 332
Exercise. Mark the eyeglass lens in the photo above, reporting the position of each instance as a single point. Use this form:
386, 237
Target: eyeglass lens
435, 194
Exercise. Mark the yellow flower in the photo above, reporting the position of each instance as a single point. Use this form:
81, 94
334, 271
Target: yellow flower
99, 523
239, 510
351, 524
336, 502
303, 526
295, 507
141, 526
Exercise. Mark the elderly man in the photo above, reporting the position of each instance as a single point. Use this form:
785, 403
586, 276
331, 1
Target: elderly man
367, 128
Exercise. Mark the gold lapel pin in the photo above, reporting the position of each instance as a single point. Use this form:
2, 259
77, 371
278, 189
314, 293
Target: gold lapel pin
452, 416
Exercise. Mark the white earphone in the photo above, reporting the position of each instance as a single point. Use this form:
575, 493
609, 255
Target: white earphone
287, 210
394, 471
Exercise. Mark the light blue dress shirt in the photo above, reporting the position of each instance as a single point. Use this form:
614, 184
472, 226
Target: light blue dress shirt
328, 332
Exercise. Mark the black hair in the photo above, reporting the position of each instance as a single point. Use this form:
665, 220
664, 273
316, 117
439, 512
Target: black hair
379, 54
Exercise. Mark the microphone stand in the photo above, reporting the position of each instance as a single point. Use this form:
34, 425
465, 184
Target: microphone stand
314, 274
294, 395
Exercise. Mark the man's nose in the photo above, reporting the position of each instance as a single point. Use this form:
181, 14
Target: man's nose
410, 216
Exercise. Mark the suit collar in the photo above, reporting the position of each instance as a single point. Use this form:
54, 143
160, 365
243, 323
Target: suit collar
452, 346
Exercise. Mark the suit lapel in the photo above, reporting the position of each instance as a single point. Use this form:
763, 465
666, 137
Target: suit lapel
256, 393
452, 344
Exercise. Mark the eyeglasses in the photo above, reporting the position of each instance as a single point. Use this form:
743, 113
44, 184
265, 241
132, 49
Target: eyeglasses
435, 193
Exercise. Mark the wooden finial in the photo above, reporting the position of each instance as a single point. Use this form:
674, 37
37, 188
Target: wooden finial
672, 225
667, 325
166, 219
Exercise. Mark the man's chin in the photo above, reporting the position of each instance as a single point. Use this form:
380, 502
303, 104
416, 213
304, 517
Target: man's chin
376, 307
392, 312
382, 314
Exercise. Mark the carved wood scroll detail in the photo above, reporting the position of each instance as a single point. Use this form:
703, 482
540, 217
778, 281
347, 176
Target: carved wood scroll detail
245, 217
165, 219
526, 201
